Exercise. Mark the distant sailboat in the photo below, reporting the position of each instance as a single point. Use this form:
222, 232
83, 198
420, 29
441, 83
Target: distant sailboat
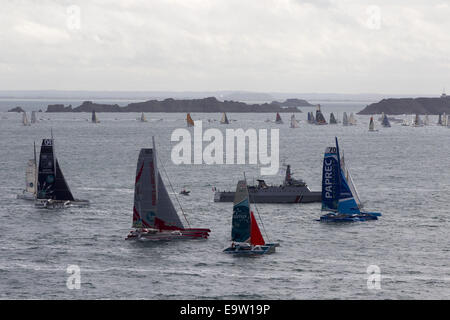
154, 216
33, 117
25, 119
332, 119
278, 119
29, 193
294, 122
444, 120
351, 119
320, 119
345, 119
189, 121
339, 196
439, 123
52, 189
245, 234
385, 121
417, 121
372, 125
224, 119
448, 122
94, 118
143, 118
426, 120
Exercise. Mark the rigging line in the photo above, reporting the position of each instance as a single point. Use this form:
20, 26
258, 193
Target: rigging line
257, 211
171, 187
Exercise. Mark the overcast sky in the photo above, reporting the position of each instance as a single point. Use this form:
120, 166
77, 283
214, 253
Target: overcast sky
204, 45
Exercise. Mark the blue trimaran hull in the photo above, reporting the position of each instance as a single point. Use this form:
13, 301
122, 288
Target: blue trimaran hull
337, 195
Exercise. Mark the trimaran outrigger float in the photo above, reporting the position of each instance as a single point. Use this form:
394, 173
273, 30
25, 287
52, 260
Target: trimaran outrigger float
339, 195
154, 215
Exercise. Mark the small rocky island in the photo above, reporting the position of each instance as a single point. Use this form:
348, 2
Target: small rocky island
409, 106
210, 104
16, 109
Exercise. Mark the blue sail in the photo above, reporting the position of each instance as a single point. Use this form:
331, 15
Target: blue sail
241, 223
330, 180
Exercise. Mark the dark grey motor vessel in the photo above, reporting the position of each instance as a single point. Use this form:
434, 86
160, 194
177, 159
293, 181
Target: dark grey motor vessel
291, 191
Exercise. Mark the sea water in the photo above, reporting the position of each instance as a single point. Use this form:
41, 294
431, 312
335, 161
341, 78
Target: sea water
402, 172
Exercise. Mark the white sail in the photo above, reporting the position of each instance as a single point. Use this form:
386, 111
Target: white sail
143, 119
294, 122
352, 119
426, 121
25, 119
224, 119
350, 183
30, 176
33, 117
371, 125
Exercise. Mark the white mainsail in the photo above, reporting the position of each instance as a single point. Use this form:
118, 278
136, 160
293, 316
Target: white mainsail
350, 183
25, 119
33, 117
294, 122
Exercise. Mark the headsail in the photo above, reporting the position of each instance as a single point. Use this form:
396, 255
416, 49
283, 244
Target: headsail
256, 237
241, 224
51, 182
152, 206
190, 122
224, 119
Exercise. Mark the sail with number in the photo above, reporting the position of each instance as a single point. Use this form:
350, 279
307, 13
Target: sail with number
51, 183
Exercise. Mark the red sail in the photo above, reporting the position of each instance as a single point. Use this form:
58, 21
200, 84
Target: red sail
256, 237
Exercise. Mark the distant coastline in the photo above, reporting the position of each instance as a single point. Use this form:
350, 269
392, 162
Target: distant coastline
409, 106
210, 104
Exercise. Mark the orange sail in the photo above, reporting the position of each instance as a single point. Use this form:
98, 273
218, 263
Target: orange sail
256, 237
190, 122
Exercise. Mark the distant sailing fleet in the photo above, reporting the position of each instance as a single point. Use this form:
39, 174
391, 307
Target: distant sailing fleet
317, 119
